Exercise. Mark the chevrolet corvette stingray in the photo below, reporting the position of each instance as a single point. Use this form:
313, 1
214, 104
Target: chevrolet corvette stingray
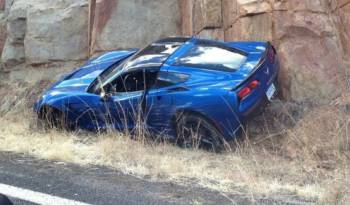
197, 92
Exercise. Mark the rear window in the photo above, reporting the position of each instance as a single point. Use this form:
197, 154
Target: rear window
212, 57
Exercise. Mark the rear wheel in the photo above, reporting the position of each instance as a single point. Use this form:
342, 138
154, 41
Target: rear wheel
194, 131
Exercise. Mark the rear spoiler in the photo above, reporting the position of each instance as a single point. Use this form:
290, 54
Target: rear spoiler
269, 53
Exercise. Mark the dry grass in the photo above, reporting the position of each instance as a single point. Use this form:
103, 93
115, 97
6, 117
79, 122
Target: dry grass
226, 172
285, 154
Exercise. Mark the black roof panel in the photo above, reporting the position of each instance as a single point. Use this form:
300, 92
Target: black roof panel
173, 40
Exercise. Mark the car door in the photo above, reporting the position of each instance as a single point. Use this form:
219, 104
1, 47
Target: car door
124, 109
160, 108
124, 100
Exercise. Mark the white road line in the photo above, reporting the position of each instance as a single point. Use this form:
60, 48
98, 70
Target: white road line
35, 197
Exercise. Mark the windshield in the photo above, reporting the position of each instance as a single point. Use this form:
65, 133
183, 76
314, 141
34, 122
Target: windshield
152, 56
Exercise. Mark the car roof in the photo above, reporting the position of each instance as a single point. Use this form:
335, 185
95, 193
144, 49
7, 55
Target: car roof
156, 59
155, 54
174, 39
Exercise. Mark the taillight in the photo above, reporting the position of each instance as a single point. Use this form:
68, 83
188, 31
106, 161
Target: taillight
248, 89
254, 84
244, 92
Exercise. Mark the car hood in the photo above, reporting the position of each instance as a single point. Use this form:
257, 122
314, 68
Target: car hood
77, 82
81, 78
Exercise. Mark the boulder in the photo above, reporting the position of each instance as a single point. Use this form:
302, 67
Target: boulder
344, 28
252, 7
216, 34
235, 9
207, 14
186, 7
18, 9
42, 31
2, 5
4, 10
314, 6
125, 23
252, 28
310, 52
6, 6
311, 69
303, 23
247, 20
16, 28
13, 50
13, 54
57, 32
229, 13
2, 34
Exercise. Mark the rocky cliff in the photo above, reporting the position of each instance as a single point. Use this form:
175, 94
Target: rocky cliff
312, 36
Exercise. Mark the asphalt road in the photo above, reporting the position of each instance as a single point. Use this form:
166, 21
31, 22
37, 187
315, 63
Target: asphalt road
38, 179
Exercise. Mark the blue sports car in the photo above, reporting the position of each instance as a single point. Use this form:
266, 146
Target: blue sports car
194, 91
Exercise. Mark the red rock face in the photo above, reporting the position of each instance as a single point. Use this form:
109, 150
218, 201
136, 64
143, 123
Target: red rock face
2, 35
2, 5
2, 27
312, 38
100, 13
128, 24
344, 27
186, 7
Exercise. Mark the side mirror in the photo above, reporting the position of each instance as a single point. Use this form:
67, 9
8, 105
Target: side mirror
105, 96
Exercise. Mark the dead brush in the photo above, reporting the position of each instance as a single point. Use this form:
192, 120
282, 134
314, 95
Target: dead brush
338, 193
322, 137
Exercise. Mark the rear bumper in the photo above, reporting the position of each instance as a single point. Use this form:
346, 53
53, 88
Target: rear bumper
260, 105
256, 109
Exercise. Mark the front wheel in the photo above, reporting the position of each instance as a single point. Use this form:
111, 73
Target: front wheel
194, 131
50, 118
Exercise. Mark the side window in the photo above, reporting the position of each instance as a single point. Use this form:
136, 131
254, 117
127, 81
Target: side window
128, 82
166, 79
133, 81
212, 57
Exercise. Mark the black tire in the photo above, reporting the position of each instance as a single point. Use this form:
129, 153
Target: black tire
4, 200
51, 118
194, 131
